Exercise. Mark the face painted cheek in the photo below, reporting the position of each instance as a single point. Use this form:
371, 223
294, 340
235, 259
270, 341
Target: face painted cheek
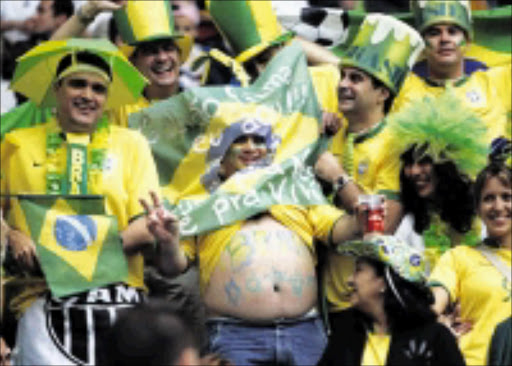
233, 156
462, 45
261, 147
429, 44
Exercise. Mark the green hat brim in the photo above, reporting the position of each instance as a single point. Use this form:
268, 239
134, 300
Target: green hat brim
450, 20
183, 41
348, 62
259, 48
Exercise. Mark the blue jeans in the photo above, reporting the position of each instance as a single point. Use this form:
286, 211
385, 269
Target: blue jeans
284, 342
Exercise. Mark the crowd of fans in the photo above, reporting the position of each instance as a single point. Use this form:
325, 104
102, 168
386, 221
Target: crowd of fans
405, 117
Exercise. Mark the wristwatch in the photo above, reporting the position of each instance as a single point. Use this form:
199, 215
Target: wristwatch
341, 182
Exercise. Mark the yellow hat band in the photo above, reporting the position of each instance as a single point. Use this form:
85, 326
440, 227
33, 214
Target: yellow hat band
74, 68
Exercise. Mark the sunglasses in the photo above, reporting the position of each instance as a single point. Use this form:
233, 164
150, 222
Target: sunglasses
97, 88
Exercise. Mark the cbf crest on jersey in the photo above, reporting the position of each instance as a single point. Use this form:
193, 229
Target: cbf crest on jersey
78, 246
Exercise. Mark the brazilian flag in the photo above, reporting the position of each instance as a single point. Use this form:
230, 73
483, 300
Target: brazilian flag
78, 245
190, 134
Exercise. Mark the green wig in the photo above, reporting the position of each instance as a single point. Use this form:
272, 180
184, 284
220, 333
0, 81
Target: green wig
442, 128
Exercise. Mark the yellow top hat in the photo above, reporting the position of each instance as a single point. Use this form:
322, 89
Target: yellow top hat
146, 21
250, 27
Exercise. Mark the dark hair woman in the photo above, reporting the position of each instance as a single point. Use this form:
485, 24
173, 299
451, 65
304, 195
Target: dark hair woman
391, 321
441, 146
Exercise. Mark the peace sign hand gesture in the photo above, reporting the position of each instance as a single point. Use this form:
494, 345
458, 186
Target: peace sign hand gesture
161, 223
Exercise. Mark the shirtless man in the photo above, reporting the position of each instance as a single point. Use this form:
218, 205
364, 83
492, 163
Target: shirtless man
258, 277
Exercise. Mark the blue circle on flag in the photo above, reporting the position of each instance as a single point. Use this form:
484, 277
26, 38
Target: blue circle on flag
75, 233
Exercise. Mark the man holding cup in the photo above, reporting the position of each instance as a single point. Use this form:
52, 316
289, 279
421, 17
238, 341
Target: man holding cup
372, 71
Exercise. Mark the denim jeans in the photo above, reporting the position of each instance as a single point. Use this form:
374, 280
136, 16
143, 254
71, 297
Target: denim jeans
285, 342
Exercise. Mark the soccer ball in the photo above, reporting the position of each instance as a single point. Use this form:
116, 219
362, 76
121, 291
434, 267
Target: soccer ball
325, 26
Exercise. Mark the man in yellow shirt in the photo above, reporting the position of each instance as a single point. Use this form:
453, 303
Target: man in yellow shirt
372, 72
258, 278
115, 159
447, 31
157, 51
152, 45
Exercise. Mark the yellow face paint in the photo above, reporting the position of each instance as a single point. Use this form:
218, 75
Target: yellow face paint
245, 150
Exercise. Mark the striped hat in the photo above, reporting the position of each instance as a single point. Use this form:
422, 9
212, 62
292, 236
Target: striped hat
250, 27
146, 21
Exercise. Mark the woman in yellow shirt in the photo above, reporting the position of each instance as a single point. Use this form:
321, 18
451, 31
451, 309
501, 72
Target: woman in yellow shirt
479, 278
390, 321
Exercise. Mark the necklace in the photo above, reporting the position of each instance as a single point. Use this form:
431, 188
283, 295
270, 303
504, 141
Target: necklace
440, 235
74, 162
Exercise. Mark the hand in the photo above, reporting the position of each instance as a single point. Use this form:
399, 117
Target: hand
163, 225
23, 249
94, 7
328, 168
453, 321
331, 123
4, 230
28, 25
361, 211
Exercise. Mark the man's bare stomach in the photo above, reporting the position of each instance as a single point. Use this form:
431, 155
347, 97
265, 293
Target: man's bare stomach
266, 272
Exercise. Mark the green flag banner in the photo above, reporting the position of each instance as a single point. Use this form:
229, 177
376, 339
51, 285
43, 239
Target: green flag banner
190, 133
78, 246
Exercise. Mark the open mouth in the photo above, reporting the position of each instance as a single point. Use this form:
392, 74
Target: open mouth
84, 107
161, 69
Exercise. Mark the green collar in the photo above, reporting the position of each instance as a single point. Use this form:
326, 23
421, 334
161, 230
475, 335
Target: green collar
462, 80
369, 133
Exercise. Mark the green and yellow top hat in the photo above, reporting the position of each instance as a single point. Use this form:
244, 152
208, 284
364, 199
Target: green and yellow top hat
430, 12
384, 47
407, 261
146, 21
250, 27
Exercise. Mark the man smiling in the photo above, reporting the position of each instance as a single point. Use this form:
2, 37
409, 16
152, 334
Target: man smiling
152, 45
111, 160
446, 27
157, 51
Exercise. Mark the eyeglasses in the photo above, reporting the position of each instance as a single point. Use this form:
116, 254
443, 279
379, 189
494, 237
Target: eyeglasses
97, 88
153, 48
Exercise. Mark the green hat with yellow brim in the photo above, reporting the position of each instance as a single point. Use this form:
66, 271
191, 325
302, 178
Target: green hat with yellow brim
430, 12
407, 261
385, 48
250, 27
146, 21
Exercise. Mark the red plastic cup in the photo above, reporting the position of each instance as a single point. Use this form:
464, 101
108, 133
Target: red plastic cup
374, 204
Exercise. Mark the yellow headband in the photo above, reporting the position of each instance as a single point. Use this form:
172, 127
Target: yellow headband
80, 67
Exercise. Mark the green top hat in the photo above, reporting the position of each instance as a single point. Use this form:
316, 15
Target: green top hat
250, 27
407, 261
146, 21
430, 12
384, 47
